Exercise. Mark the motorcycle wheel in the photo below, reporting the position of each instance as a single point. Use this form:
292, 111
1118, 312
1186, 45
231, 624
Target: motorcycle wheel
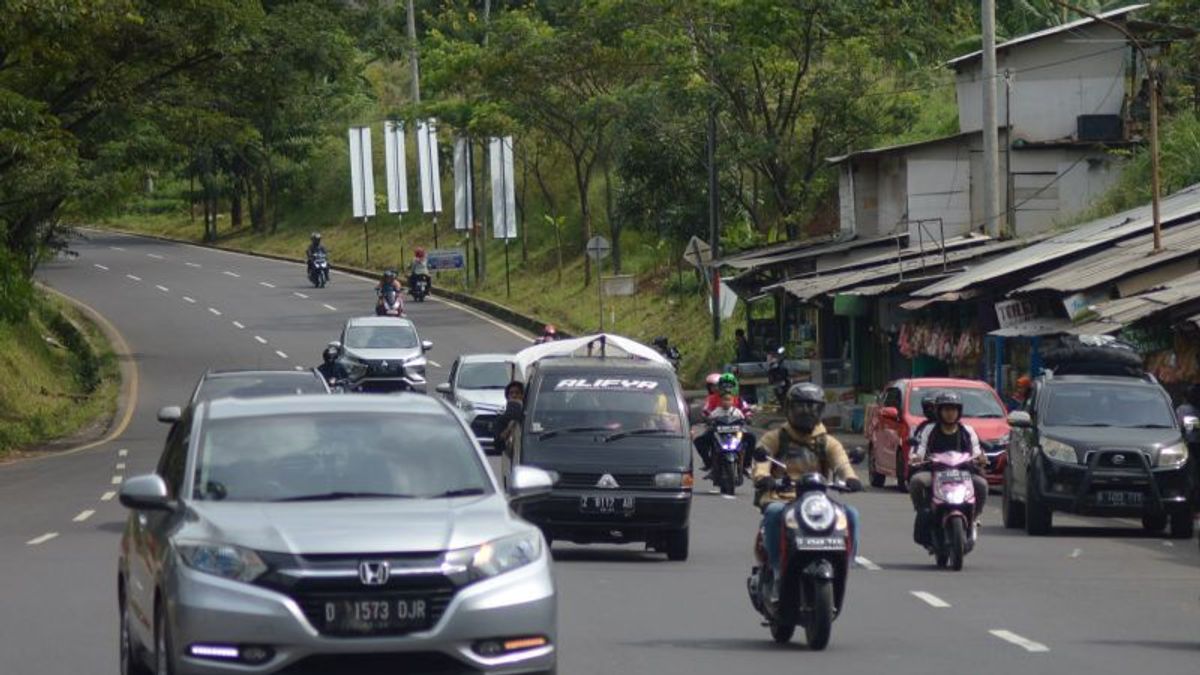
725, 478
957, 543
941, 559
820, 620
782, 632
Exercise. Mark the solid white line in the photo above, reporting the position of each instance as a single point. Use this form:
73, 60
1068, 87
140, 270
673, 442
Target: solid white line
301, 368
435, 364
191, 264
1024, 643
164, 289
107, 496
116, 480
930, 599
155, 256
232, 274
330, 308
187, 299
122, 452
300, 295
260, 340
120, 466
83, 515
281, 354
130, 276
1076, 553
215, 312
42, 539
268, 285
867, 564
238, 324
100, 267
482, 317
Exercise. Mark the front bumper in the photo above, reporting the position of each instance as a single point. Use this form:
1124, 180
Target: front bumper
204, 609
386, 384
1081, 488
655, 513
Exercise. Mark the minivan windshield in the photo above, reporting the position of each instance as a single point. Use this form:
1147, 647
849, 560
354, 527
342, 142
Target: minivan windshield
336, 456
595, 402
485, 375
977, 403
1103, 405
381, 337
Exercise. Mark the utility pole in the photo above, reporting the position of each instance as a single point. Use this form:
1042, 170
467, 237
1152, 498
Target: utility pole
714, 224
991, 140
413, 61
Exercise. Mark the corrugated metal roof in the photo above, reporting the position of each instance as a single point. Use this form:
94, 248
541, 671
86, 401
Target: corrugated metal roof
1113, 315
1053, 30
800, 253
1127, 257
1182, 204
899, 146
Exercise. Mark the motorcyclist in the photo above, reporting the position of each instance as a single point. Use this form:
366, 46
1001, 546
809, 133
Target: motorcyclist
663, 345
930, 411
723, 394
419, 268
389, 280
331, 368
950, 433
805, 447
710, 383
549, 334
314, 248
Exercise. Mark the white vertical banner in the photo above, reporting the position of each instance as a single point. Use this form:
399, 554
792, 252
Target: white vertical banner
504, 194
427, 154
462, 184
362, 173
397, 166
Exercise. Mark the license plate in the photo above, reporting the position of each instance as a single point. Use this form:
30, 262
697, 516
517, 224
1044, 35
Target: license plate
952, 475
376, 615
728, 430
821, 543
606, 504
1119, 498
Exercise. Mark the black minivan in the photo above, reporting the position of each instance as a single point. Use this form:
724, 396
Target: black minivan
613, 433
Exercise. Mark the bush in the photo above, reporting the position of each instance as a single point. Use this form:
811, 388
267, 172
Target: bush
16, 291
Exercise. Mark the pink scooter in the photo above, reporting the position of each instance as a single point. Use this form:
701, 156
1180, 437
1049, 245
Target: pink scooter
951, 527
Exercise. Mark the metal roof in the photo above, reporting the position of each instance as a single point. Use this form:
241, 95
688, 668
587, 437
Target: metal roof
773, 249
822, 248
1053, 30
1182, 204
1111, 316
1126, 257
900, 146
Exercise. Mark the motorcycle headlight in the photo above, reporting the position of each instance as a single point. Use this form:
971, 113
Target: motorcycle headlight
502, 555
1059, 451
221, 560
817, 512
1173, 456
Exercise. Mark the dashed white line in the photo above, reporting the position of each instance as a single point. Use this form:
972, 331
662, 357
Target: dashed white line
330, 308
300, 368
261, 341
1076, 553
164, 289
1024, 643
116, 248
120, 466
280, 354
187, 299
100, 267
266, 284
239, 324
867, 564
191, 264
214, 311
122, 452
116, 480
42, 539
300, 295
435, 364
1168, 544
155, 256
130, 276
930, 599
107, 496
83, 515
235, 275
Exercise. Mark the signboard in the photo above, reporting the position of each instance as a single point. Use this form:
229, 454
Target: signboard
464, 193
1012, 312
362, 173
427, 156
620, 285
598, 248
397, 169
446, 259
697, 253
504, 195
1077, 304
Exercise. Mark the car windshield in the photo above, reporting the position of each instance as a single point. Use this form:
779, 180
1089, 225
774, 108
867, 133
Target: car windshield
977, 403
336, 456
381, 337
600, 403
494, 375
1088, 405
258, 386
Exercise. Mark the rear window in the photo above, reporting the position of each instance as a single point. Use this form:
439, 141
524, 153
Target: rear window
626, 403
977, 403
258, 386
1107, 405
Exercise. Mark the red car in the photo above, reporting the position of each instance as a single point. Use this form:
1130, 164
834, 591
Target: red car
897, 413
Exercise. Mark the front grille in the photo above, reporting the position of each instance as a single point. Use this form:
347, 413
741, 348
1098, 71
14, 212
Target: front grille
589, 480
433, 663
1117, 458
377, 369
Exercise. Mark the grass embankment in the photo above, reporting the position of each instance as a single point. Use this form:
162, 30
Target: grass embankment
668, 302
62, 377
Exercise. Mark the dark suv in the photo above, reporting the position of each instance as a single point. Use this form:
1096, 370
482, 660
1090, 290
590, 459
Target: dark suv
1097, 445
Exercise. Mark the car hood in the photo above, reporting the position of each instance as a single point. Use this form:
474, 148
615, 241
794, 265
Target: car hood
490, 398
385, 354
989, 428
359, 526
1092, 438
591, 453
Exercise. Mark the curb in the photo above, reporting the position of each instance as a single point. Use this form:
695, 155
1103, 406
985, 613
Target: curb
492, 309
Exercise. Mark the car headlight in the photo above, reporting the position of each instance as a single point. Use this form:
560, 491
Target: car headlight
504, 555
222, 560
671, 480
1059, 451
1173, 456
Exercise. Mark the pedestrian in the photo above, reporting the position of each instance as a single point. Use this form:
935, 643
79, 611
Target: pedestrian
505, 424
742, 351
1016, 400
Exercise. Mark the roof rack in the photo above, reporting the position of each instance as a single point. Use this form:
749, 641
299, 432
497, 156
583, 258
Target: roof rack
1094, 355
601, 345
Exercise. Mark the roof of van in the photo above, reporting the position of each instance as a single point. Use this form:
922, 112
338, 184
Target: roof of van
602, 364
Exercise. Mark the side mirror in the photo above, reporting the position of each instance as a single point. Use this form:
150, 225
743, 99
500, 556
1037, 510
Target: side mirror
170, 414
426, 346
146, 493
444, 389
857, 454
1019, 419
890, 413
529, 483
1190, 424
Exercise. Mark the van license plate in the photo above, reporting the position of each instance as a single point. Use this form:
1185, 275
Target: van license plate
606, 504
1119, 498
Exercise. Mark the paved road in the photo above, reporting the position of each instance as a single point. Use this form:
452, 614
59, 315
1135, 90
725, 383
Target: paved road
1098, 597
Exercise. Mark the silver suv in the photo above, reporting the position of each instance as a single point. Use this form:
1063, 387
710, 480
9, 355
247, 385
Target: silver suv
384, 353
476, 387
349, 534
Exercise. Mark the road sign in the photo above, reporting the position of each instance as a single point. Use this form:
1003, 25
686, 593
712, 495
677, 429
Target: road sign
598, 248
446, 259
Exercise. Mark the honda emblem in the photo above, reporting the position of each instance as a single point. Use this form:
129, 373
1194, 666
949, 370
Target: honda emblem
374, 573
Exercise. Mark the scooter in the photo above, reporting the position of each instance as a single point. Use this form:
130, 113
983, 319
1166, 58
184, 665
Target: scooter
728, 432
318, 270
419, 288
390, 304
949, 533
816, 552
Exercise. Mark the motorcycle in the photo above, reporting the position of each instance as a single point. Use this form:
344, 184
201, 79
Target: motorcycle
390, 303
419, 288
727, 464
778, 375
816, 553
949, 533
318, 270
672, 354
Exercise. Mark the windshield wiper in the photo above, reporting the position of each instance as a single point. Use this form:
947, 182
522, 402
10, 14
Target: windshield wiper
335, 496
569, 430
641, 432
461, 492
1149, 426
1091, 425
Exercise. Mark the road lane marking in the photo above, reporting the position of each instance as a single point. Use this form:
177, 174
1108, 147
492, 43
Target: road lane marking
300, 368
239, 324
930, 599
1168, 544
107, 496
155, 256
122, 452
214, 311
867, 564
100, 267
190, 264
116, 248
120, 466
116, 480
130, 276
1024, 643
330, 308
268, 285
42, 539
281, 354
300, 295
435, 364
83, 515
187, 299
261, 341
235, 275
164, 289
1076, 553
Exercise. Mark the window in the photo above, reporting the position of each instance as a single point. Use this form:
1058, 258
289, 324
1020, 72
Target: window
625, 403
977, 403
891, 398
173, 464
1099, 405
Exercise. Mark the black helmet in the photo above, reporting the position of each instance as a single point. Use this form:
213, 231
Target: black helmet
389, 274
948, 399
805, 403
929, 405
330, 354
660, 342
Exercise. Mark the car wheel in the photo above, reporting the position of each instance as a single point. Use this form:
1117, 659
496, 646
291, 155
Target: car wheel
877, 479
130, 654
1038, 516
1154, 524
901, 471
164, 658
1183, 524
1013, 511
677, 545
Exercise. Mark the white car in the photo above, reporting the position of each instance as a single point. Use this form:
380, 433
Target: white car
476, 388
384, 353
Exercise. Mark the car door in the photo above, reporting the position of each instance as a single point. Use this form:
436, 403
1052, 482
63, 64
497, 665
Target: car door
453, 380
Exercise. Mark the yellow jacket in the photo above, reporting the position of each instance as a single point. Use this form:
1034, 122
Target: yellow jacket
803, 454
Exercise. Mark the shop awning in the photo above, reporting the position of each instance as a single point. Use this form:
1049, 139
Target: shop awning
1114, 315
953, 296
